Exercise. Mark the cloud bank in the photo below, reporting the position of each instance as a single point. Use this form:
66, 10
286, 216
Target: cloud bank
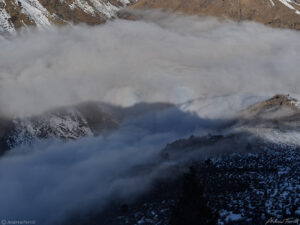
161, 58
157, 59
50, 180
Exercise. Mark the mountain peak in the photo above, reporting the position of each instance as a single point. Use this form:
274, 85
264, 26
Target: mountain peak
277, 101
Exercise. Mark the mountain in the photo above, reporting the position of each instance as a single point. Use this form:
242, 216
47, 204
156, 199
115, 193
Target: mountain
277, 103
276, 13
15, 14
246, 178
248, 175
264, 119
276, 119
69, 123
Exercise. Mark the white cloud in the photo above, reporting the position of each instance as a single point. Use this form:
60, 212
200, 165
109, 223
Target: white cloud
170, 59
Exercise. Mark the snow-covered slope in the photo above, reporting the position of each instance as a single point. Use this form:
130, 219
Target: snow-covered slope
42, 13
15, 14
70, 122
276, 119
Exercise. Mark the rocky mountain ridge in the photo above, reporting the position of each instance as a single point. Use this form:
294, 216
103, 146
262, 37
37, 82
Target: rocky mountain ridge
15, 14
18, 14
276, 13
69, 123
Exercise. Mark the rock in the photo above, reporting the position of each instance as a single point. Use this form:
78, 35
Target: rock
275, 13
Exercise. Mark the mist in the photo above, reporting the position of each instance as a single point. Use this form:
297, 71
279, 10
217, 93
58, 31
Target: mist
161, 58
51, 180
208, 68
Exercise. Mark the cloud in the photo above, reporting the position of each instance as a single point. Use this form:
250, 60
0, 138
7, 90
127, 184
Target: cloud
171, 59
50, 180
160, 58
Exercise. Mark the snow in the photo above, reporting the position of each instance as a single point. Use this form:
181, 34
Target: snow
290, 138
107, 9
289, 4
5, 25
233, 217
42, 17
71, 126
229, 216
223, 106
34, 10
98, 6
84, 6
295, 102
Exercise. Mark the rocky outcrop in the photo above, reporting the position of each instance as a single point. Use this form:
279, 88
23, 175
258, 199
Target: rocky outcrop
276, 13
281, 112
15, 14
276, 103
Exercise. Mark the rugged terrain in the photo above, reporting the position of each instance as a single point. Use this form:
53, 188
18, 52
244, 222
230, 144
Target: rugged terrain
69, 123
276, 13
248, 167
15, 14
248, 177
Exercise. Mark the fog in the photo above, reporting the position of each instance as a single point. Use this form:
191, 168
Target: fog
221, 66
50, 180
161, 58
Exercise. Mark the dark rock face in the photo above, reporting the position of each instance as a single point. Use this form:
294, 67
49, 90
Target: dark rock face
192, 207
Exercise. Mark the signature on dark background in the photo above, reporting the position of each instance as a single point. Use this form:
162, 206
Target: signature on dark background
282, 221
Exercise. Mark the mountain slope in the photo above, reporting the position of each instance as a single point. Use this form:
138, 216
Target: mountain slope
70, 122
15, 14
67, 123
246, 179
277, 13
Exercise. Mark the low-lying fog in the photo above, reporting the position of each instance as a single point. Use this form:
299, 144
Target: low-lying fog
169, 59
172, 59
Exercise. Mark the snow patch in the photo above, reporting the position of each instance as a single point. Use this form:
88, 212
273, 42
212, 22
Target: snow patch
35, 11
5, 24
107, 9
84, 6
289, 4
